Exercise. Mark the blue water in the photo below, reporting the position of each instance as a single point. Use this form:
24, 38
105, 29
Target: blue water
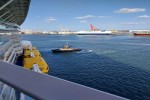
116, 64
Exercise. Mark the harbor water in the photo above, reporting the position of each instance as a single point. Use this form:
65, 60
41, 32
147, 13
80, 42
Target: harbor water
116, 64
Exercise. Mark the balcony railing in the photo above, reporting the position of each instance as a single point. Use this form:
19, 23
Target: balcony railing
44, 87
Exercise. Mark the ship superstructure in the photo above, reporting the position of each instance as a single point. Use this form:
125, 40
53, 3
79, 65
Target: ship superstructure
12, 15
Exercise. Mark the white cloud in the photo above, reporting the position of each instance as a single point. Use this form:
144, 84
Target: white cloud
143, 16
104, 16
85, 17
50, 19
130, 10
83, 21
133, 23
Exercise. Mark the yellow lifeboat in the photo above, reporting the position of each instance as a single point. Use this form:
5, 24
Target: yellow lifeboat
29, 62
28, 53
32, 56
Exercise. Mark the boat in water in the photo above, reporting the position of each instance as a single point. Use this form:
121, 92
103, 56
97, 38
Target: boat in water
32, 57
140, 32
94, 31
65, 48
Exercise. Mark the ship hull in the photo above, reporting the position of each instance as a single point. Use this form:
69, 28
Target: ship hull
138, 34
63, 51
94, 33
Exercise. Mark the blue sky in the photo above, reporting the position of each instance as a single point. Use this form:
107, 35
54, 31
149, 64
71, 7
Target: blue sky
51, 15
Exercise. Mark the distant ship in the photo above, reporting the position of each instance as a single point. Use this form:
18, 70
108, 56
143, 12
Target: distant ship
141, 32
94, 31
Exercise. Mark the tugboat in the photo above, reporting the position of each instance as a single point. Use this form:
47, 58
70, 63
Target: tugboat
65, 48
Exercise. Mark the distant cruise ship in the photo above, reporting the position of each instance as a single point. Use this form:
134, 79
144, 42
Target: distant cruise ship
94, 31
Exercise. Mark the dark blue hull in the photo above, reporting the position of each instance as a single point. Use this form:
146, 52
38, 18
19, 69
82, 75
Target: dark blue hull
61, 51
